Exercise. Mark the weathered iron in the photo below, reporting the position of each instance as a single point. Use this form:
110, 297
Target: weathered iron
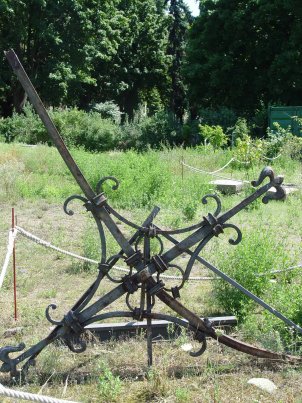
146, 279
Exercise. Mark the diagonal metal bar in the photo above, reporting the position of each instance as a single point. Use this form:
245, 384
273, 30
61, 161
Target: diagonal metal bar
212, 225
237, 285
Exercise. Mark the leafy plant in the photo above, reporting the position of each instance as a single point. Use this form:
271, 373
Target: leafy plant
239, 130
108, 110
276, 138
214, 135
224, 117
109, 385
248, 151
257, 254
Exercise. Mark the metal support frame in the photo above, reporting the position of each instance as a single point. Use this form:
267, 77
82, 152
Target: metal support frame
144, 269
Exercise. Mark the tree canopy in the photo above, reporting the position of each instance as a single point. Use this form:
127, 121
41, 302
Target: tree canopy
244, 52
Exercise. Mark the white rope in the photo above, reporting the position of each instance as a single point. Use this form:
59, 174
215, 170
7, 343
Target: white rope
10, 246
30, 396
46, 244
271, 159
299, 266
212, 173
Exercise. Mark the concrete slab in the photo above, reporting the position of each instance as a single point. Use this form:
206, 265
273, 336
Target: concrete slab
228, 186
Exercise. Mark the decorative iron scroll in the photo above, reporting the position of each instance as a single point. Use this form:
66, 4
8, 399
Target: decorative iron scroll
145, 270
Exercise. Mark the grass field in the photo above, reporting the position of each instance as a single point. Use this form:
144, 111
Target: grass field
35, 181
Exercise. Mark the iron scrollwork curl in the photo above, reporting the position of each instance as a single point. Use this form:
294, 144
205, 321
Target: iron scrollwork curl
238, 231
99, 186
218, 202
69, 199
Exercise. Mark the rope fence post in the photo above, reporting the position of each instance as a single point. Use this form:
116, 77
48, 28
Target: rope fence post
14, 267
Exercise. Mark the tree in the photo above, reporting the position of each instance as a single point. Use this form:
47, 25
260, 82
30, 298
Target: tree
244, 52
51, 38
137, 65
180, 20
83, 51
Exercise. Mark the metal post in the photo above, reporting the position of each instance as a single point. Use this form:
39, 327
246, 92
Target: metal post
149, 303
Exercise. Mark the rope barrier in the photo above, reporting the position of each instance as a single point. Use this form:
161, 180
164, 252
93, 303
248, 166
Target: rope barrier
212, 173
39, 241
299, 266
271, 159
46, 244
10, 246
30, 396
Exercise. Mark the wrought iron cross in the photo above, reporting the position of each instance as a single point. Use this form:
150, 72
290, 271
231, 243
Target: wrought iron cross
145, 270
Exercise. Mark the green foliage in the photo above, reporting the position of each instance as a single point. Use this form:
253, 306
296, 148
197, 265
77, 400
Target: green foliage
284, 296
214, 135
223, 117
109, 386
25, 128
189, 210
239, 130
282, 142
83, 52
248, 151
182, 395
258, 253
276, 138
292, 149
78, 128
180, 18
233, 71
108, 110
160, 129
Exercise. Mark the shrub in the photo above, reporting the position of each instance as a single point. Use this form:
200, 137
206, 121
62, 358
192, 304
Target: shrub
24, 128
223, 117
276, 138
248, 151
256, 254
89, 130
130, 136
239, 130
108, 110
160, 129
214, 135
78, 128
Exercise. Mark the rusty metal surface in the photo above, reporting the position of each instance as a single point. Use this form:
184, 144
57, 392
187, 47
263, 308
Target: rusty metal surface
145, 270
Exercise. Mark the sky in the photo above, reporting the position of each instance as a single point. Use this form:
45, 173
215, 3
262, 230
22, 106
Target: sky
193, 6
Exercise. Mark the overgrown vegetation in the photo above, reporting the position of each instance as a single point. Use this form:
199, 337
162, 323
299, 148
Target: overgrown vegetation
37, 181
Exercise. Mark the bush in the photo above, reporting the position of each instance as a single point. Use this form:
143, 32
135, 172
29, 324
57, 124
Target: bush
130, 136
248, 151
160, 129
223, 117
214, 135
24, 128
108, 110
78, 128
88, 130
239, 131
256, 254
276, 138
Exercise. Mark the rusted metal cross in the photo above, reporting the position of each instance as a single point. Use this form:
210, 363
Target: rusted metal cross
145, 270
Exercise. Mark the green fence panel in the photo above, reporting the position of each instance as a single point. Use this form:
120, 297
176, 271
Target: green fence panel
285, 116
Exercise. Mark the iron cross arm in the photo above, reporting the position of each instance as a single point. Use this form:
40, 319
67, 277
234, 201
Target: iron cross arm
148, 277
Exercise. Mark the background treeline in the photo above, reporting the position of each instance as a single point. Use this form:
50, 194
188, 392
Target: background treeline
133, 73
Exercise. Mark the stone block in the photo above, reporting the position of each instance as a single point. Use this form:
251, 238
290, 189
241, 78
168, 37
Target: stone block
228, 186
